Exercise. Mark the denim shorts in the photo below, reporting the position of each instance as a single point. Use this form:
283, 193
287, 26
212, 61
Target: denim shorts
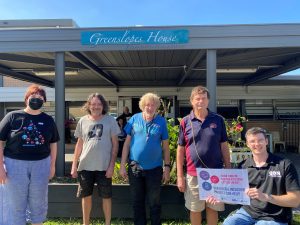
87, 180
27, 190
241, 217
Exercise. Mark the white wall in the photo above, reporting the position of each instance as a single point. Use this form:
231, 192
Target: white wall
9, 94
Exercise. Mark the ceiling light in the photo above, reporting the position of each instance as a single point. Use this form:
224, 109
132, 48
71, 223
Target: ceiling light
52, 73
232, 70
237, 70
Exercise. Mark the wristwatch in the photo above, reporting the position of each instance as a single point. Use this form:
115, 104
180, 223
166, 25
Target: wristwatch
167, 165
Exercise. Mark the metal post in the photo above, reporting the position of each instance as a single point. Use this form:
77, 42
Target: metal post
211, 78
60, 111
175, 107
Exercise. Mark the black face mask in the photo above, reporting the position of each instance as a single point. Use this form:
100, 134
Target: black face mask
35, 103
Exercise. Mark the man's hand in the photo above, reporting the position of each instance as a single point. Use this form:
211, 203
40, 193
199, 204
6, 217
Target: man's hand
110, 172
181, 184
212, 200
123, 171
166, 175
74, 172
255, 193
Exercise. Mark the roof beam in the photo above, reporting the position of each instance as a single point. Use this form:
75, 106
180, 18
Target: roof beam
261, 76
25, 77
89, 64
37, 60
142, 67
195, 61
257, 54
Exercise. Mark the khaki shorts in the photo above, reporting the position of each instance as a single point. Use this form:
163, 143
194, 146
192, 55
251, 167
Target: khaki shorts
191, 196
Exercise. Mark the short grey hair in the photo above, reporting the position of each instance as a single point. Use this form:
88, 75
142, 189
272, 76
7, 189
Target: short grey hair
199, 90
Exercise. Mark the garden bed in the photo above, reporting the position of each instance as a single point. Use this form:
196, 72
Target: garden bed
63, 202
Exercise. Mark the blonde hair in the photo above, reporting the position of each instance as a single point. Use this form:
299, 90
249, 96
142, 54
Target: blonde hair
149, 97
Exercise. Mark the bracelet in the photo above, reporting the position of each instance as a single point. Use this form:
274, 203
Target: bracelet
167, 165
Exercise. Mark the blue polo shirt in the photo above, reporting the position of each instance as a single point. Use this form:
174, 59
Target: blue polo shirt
146, 140
208, 136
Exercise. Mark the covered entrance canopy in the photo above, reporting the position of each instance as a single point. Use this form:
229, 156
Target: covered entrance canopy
53, 53
246, 55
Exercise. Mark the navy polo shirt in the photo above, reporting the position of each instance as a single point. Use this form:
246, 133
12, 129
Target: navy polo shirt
276, 177
208, 136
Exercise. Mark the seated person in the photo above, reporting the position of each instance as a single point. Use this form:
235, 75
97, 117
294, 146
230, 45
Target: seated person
274, 185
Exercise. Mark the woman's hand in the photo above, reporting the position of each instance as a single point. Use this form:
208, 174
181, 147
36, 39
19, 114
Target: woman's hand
2, 175
52, 172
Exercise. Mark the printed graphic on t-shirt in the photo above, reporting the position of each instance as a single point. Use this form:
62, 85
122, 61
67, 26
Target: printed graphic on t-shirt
96, 132
274, 174
32, 136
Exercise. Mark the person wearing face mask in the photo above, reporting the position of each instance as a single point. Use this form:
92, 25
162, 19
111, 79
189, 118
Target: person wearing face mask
149, 158
28, 148
96, 150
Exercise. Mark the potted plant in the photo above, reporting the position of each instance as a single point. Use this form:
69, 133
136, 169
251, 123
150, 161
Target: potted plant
238, 149
234, 128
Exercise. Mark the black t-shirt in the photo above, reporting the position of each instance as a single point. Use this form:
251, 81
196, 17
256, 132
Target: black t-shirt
125, 118
277, 177
28, 137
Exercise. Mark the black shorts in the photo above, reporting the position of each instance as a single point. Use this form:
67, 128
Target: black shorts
87, 180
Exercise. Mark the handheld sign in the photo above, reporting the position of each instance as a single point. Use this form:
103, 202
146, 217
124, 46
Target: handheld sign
226, 185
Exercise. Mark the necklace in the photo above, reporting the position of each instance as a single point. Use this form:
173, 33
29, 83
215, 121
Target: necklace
148, 128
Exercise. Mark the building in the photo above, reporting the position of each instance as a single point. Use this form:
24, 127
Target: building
240, 64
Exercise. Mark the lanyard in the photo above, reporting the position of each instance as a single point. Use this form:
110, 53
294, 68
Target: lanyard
195, 143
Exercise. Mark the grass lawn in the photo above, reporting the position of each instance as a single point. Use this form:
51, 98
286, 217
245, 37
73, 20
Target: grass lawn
101, 222
72, 221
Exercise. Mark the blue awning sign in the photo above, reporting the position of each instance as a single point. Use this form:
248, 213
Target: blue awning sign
134, 37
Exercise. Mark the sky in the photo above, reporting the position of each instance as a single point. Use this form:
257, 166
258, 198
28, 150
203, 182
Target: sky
120, 13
